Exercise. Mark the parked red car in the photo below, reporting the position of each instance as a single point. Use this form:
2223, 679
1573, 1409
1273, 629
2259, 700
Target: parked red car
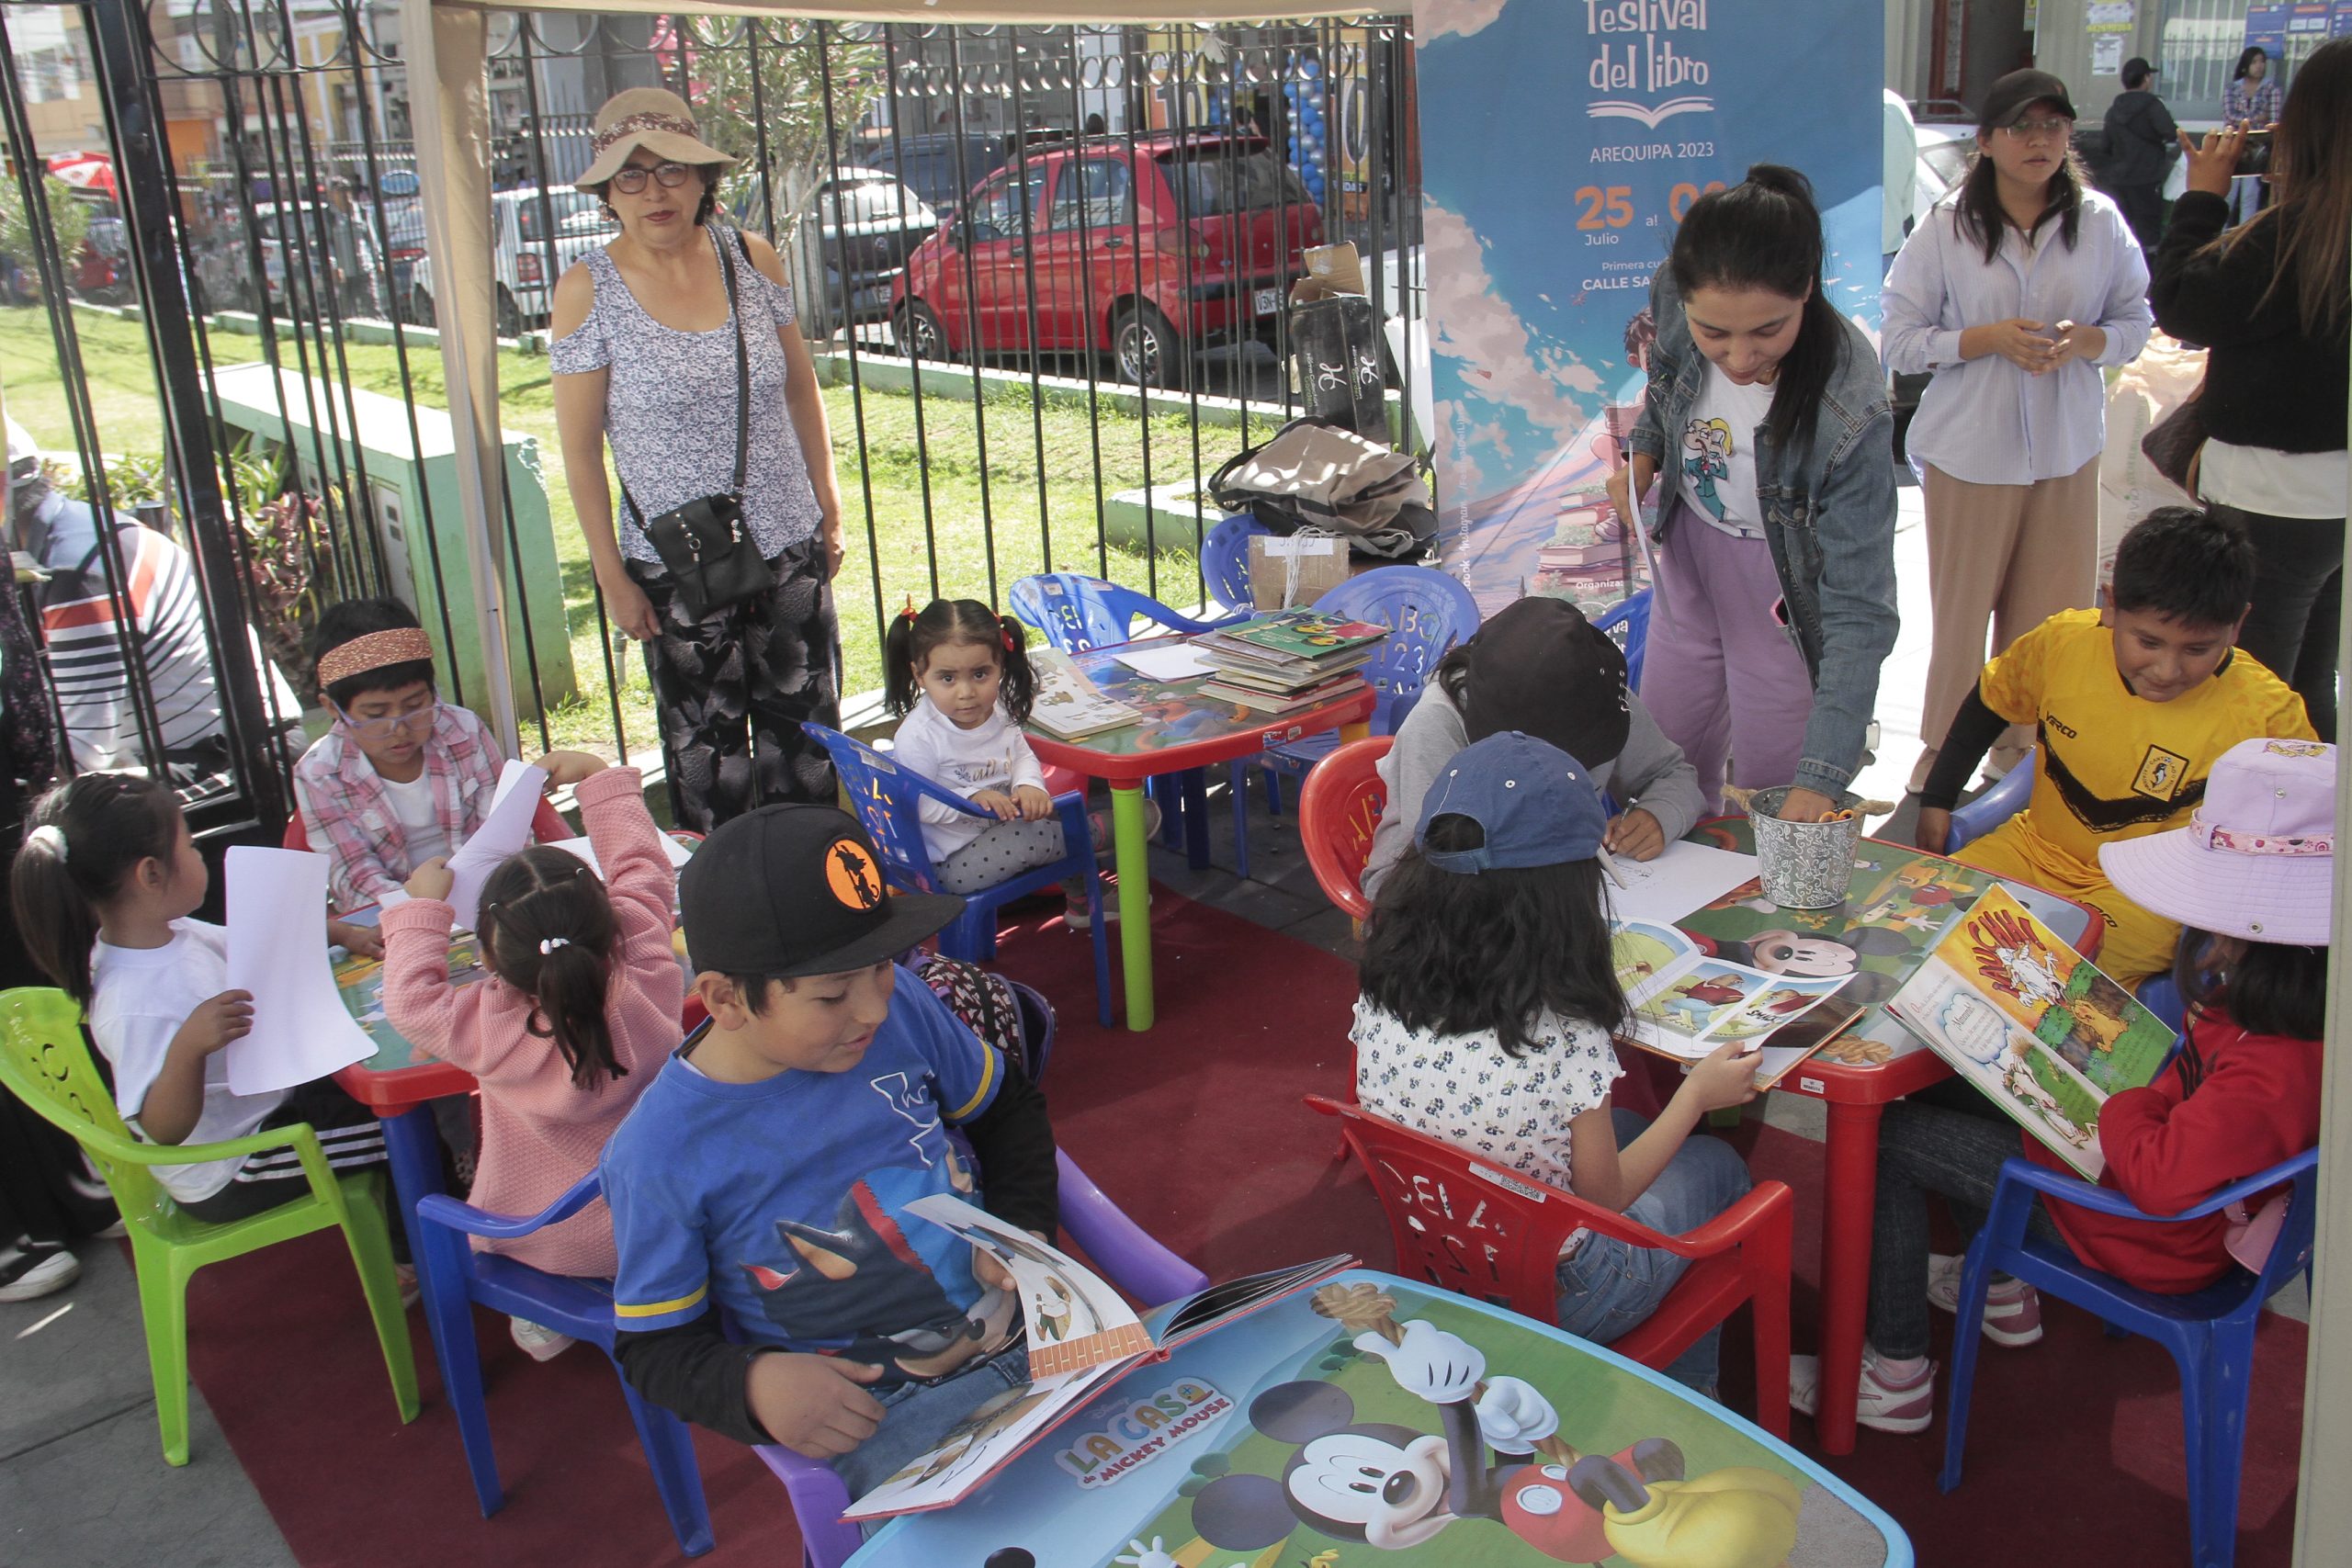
1147, 251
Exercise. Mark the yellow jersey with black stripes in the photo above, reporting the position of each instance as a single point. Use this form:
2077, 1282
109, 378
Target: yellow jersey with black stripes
2112, 765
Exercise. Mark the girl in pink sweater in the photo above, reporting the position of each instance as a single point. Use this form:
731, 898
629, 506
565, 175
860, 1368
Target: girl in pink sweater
579, 1009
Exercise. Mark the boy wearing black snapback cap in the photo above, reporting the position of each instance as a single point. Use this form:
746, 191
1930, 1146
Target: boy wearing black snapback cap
768, 1166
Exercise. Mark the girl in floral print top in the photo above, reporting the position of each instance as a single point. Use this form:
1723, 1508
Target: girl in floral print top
1489, 998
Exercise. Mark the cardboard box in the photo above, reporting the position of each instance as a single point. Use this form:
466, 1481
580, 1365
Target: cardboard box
1296, 570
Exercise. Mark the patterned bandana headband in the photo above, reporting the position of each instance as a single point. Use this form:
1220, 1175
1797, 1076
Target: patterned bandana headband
637, 122
401, 645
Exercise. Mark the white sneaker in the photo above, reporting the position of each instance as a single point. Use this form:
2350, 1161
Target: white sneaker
33, 1272
2010, 1322
538, 1341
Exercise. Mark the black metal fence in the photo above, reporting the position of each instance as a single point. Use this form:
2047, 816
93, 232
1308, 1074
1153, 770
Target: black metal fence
1044, 270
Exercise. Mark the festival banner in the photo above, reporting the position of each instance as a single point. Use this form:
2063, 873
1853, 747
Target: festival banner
1562, 140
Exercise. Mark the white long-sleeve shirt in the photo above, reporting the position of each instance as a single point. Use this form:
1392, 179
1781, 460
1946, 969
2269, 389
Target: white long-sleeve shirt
994, 756
1984, 420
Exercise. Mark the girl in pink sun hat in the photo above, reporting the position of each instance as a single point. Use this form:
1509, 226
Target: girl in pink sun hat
2250, 879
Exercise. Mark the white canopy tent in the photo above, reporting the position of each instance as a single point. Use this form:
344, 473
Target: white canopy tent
446, 41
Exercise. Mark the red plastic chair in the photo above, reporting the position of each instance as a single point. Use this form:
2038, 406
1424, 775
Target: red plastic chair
1337, 812
547, 827
1489, 1232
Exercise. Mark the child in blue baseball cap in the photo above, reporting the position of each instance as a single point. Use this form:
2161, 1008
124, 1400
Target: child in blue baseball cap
1490, 999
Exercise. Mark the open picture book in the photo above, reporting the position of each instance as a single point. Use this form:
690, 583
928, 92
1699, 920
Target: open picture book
1688, 1005
2032, 1024
1083, 1337
1069, 706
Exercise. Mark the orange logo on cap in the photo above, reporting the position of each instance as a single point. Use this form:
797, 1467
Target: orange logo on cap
852, 875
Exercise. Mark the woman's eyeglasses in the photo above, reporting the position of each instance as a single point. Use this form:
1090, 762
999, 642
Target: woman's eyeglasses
391, 724
630, 177
2028, 129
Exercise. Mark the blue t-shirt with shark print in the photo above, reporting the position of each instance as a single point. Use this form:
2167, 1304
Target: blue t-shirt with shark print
785, 1201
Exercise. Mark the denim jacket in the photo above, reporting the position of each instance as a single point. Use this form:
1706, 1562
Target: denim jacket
1829, 517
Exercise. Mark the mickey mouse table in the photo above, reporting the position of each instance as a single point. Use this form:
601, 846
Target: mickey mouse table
1390, 1422
1904, 898
1180, 729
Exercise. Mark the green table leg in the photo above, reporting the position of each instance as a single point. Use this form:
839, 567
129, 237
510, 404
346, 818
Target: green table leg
1131, 857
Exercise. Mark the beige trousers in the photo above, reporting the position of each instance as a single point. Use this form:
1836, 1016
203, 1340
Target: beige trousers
2011, 556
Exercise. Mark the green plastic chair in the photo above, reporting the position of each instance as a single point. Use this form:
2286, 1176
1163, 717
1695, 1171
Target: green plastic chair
45, 1063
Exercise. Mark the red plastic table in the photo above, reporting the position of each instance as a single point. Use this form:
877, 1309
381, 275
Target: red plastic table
1180, 729
1856, 1094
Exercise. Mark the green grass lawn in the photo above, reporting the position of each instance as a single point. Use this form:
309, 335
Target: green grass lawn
1040, 474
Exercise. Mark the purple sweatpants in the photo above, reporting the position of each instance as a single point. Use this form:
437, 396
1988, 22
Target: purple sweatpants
1720, 675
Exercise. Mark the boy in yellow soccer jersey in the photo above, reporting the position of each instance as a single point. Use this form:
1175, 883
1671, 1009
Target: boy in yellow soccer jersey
2133, 705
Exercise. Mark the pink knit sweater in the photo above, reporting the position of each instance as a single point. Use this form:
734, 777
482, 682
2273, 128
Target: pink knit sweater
539, 1133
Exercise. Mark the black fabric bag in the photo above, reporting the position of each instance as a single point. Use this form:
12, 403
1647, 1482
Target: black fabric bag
704, 546
1335, 361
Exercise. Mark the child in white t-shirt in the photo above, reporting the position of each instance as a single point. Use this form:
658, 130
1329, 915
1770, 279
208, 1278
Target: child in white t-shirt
1489, 999
959, 672
104, 890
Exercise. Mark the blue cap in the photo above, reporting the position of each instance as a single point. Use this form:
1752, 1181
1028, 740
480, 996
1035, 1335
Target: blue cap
1537, 804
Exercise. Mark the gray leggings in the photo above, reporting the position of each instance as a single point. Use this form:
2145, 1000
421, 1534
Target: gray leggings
1003, 849
1930, 1148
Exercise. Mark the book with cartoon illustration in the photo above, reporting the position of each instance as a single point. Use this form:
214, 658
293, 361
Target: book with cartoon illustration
1083, 1337
1069, 706
2032, 1024
1374, 1420
1688, 1004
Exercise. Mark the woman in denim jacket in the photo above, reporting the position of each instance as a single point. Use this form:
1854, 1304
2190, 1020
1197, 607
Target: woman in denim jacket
1775, 539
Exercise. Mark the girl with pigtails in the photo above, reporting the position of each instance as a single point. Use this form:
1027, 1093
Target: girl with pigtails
580, 1006
959, 674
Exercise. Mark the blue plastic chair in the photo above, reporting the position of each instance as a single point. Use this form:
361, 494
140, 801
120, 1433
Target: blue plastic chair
1426, 611
1124, 1253
1078, 613
1996, 806
1629, 627
2209, 1332
458, 1276
1225, 561
884, 796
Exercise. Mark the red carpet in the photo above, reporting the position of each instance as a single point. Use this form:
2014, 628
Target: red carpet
1196, 1128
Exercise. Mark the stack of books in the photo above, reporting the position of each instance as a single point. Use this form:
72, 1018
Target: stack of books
1287, 661
1589, 559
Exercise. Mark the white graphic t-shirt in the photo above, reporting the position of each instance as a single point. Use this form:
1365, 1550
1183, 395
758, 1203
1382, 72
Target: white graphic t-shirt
1718, 459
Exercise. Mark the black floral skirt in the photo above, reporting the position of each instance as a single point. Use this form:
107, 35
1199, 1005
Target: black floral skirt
733, 691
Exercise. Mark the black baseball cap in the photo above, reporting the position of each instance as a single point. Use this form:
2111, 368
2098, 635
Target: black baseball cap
2020, 91
1539, 666
792, 890
2139, 68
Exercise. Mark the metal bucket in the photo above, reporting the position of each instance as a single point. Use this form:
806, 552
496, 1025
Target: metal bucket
1804, 866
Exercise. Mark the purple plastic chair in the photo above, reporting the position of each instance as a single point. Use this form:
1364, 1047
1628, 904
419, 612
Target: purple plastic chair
458, 1276
1121, 1249
884, 796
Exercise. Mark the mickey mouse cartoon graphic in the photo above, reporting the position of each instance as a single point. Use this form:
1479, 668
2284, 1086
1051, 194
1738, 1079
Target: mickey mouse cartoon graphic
1393, 1487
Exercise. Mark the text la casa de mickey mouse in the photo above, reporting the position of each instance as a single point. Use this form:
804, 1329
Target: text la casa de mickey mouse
1143, 1431
1649, 63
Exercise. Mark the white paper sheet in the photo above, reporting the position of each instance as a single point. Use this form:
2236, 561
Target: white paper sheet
1686, 878
679, 855
1164, 661
506, 830
277, 949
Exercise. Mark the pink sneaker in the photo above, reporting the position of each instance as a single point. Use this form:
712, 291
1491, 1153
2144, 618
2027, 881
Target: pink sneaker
2012, 1310
1883, 1406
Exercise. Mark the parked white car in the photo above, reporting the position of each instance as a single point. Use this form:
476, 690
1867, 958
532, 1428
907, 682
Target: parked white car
520, 234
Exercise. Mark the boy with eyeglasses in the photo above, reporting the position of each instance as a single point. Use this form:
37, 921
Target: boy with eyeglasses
403, 776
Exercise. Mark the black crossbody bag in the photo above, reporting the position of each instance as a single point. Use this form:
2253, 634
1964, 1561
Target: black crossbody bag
709, 553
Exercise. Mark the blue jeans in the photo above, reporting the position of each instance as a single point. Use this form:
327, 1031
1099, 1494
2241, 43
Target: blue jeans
1609, 1287
917, 1416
